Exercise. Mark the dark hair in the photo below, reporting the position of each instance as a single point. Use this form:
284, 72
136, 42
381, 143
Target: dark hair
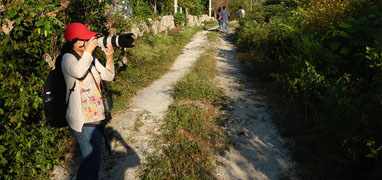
66, 48
219, 9
223, 7
240, 7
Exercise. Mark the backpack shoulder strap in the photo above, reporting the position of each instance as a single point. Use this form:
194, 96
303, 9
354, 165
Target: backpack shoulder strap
70, 91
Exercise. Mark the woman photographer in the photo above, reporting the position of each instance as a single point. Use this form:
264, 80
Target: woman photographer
85, 113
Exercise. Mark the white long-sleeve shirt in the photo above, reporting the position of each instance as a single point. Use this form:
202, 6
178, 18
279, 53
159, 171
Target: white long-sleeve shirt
75, 69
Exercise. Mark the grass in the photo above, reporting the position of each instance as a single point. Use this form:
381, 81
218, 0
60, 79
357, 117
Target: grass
149, 59
190, 131
210, 24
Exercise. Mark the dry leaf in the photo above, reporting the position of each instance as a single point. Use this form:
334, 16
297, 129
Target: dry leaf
7, 26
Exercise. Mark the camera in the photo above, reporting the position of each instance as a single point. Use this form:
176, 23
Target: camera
125, 40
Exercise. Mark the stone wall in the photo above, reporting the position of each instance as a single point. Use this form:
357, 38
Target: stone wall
165, 23
198, 20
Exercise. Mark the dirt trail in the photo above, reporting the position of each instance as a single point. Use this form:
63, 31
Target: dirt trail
257, 151
131, 132
138, 124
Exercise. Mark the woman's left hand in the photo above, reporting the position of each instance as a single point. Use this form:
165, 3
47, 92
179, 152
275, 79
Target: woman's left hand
109, 51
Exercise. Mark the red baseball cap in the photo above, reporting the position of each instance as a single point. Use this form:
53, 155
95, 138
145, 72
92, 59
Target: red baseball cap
79, 31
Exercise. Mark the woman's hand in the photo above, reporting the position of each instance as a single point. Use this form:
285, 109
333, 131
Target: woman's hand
90, 45
109, 51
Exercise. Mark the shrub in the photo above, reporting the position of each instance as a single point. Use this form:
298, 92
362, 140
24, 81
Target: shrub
29, 149
180, 19
326, 56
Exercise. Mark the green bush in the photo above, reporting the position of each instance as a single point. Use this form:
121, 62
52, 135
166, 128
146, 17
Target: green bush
327, 58
141, 9
29, 149
180, 19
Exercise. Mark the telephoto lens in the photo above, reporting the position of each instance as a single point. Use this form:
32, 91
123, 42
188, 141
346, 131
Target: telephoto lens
122, 40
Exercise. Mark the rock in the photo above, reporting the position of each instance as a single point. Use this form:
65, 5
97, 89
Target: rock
191, 21
205, 18
154, 27
135, 30
166, 23
198, 21
143, 28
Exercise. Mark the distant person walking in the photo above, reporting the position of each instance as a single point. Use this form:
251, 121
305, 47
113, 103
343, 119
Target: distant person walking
240, 13
219, 18
224, 16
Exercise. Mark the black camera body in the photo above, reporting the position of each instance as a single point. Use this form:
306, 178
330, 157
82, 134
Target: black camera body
123, 40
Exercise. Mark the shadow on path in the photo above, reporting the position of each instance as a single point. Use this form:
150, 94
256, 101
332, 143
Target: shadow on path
118, 156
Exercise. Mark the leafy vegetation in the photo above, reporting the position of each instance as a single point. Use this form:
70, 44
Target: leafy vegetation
32, 31
325, 55
179, 19
190, 132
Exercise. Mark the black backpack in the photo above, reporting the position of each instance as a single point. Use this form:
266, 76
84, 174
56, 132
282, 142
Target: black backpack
54, 96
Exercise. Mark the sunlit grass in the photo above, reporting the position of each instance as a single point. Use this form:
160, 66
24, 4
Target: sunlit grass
152, 57
190, 131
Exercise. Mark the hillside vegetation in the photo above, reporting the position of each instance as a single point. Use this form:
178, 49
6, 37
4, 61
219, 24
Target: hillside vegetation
324, 57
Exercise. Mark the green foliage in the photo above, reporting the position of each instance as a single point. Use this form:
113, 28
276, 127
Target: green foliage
166, 7
28, 150
29, 153
246, 4
91, 12
141, 8
326, 55
180, 19
194, 7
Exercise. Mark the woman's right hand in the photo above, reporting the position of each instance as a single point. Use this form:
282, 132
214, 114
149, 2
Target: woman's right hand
90, 45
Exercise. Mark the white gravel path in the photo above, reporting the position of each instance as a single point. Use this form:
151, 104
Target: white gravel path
258, 152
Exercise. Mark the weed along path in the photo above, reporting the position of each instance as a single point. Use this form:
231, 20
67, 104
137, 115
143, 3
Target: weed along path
257, 151
133, 130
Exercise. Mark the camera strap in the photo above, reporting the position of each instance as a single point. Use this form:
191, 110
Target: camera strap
90, 71
107, 108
